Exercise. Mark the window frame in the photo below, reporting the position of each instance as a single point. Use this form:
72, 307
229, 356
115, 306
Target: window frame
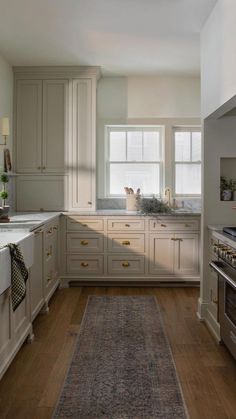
128, 128
184, 128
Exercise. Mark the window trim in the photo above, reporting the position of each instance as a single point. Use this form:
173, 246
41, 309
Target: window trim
159, 128
184, 128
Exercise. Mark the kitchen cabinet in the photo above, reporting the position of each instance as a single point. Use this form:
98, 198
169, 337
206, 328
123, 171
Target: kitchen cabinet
6, 335
55, 137
175, 254
130, 248
36, 276
50, 260
41, 125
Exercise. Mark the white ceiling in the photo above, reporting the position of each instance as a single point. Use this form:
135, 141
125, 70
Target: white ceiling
122, 36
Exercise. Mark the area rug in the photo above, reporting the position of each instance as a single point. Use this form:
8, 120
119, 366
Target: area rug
122, 367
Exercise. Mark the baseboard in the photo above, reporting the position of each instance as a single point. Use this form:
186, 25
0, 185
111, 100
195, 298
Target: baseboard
66, 282
213, 326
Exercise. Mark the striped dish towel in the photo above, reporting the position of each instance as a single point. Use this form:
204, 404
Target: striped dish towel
19, 275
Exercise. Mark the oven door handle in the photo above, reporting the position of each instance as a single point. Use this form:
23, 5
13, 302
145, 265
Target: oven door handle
221, 272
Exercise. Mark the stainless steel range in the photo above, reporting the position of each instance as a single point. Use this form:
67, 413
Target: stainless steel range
225, 267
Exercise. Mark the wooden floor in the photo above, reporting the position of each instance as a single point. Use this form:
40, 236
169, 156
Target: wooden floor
207, 372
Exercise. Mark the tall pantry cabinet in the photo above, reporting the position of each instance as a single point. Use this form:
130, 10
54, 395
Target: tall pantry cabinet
55, 126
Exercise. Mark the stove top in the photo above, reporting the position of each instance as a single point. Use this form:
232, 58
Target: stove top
230, 230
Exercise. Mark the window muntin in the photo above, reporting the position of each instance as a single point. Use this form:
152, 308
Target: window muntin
134, 159
187, 153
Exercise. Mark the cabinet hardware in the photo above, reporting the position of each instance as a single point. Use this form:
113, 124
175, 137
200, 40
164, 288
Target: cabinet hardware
38, 232
55, 228
172, 238
187, 225
84, 242
215, 301
127, 225
84, 225
89, 202
84, 264
178, 239
39, 167
44, 167
163, 225
49, 231
126, 264
126, 242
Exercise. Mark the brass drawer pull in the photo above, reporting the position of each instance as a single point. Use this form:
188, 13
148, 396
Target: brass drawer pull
126, 264
215, 301
127, 225
55, 228
172, 238
84, 225
84, 242
84, 264
126, 242
163, 225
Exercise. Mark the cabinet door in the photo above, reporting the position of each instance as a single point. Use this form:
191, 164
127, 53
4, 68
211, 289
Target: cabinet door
36, 276
162, 254
186, 254
82, 147
5, 327
29, 126
55, 125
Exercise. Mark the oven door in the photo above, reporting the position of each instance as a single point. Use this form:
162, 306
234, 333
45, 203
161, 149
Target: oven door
227, 303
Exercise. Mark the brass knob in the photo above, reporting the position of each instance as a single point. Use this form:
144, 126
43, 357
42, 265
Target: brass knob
127, 225
39, 167
84, 242
84, 264
44, 167
163, 225
126, 242
89, 202
126, 264
49, 231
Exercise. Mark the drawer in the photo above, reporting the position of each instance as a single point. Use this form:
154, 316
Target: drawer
120, 265
85, 264
84, 243
162, 225
121, 243
125, 225
84, 224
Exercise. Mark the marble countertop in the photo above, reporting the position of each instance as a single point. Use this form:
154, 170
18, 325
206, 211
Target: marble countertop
28, 220
112, 212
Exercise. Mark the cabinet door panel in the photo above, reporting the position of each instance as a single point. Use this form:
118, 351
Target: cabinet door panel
82, 149
186, 254
162, 254
36, 276
29, 126
55, 124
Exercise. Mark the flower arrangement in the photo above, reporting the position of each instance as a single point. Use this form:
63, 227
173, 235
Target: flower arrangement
154, 206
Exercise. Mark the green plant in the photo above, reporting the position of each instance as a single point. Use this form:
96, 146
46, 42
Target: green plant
153, 206
4, 178
227, 184
4, 195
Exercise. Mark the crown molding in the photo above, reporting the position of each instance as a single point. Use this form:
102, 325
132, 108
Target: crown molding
43, 72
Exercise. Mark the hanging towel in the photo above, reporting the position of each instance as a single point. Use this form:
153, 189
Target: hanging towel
19, 275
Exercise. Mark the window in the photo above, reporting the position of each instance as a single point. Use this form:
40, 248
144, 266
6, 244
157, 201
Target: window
187, 145
134, 159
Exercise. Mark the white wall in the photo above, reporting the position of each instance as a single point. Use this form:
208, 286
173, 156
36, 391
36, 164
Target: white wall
144, 100
218, 57
163, 97
6, 100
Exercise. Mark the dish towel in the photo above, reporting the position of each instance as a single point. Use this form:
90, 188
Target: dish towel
19, 275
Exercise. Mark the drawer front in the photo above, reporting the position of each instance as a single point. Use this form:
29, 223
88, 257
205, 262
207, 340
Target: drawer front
84, 224
125, 225
121, 243
85, 264
158, 225
120, 265
84, 243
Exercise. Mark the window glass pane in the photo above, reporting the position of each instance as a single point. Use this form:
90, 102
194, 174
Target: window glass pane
137, 175
182, 146
134, 145
196, 146
188, 179
151, 146
117, 146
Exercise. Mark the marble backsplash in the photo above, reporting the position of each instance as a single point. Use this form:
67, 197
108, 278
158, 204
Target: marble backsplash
120, 203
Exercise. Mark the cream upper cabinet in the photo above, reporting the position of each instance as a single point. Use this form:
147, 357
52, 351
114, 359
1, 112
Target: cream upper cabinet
82, 157
28, 125
55, 125
41, 125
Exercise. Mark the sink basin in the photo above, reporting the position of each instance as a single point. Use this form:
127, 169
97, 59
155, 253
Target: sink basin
25, 240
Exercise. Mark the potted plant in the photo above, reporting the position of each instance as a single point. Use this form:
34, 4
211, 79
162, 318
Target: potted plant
4, 209
227, 187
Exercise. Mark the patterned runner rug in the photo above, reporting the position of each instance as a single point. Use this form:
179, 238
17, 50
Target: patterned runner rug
122, 367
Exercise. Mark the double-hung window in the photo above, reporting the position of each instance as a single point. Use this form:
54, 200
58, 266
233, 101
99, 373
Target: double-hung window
133, 159
187, 152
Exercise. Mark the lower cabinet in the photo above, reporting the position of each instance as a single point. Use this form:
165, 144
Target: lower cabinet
129, 247
174, 254
36, 276
50, 259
